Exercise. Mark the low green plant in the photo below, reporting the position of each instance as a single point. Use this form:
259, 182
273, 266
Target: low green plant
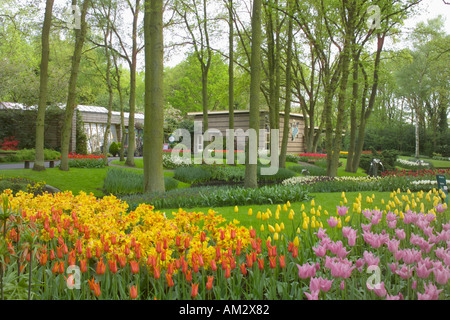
192, 174
122, 181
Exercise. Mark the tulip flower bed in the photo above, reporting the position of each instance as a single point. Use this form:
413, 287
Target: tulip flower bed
87, 161
63, 246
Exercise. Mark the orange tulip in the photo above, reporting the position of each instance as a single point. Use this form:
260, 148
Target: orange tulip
169, 280
233, 233
282, 261
133, 292
195, 266
227, 273
188, 275
194, 290
98, 252
43, 259
97, 291
112, 266
249, 260
83, 265
101, 267
203, 236
59, 252
55, 267
272, 262
243, 269
157, 274
134, 266
295, 252
209, 283
232, 263
252, 233
61, 267
261, 263
71, 260
88, 253
79, 246
158, 247
122, 261
126, 250
213, 265
91, 283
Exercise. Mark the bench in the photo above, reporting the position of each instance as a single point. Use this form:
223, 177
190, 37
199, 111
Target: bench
28, 162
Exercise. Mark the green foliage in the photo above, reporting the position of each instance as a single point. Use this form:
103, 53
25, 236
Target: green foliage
192, 174
114, 148
125, 182
82, 139
219, 196
312, 170
29, 154
87, 163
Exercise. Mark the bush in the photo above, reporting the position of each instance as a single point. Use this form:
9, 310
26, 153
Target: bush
282, 174
125, 182
114, 148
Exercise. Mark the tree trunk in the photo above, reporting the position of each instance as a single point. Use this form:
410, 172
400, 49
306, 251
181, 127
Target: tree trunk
231, 68
110, 90
287, 107
72, 92
154, 99
251, 180
39, 163
353, 124
131, 123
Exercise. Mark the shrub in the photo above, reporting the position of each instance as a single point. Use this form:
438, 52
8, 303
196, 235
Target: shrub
9, 143
114, 148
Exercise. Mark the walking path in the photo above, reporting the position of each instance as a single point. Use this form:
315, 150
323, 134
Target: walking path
21, 165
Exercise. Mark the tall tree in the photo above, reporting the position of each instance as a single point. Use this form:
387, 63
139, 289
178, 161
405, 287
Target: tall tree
39, 164
250, 180
154, 99
287, 106
80, 35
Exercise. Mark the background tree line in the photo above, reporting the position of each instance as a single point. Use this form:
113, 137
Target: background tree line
326, 59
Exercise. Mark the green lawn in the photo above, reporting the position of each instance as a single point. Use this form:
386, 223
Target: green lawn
75, 180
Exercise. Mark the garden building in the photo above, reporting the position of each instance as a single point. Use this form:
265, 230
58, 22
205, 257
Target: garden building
19, 121
219, 120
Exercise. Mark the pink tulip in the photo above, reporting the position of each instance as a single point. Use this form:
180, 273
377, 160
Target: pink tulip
439, 208
332, 222
317, 284
306, 271
320, 251
441, 276
390, 216
341, 210
321, 233
342, 285
411, 255
393, 245
404, 272
422, 271
313, 295
431, 293
380, 290
370, 259
366, 227
400, 233
397, 297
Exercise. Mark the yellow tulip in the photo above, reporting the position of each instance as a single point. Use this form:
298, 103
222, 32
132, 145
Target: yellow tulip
282, 226
250, 211
347, 219
278, 207
298, 230
343, 195
271, 228
277, 227
275, 236
291, 215
313, 203
285, 207
313, 211
313, 224
319, 207
236, 210
262, 228
326, 212
305, 225
302, 208
288, 204
258, 215
296, 242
